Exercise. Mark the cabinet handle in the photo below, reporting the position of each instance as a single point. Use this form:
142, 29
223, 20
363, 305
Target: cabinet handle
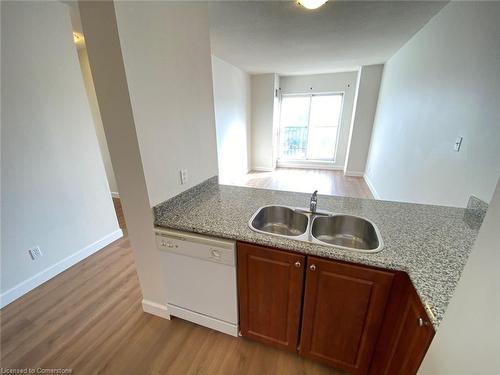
297, 264
312, 267
422, 322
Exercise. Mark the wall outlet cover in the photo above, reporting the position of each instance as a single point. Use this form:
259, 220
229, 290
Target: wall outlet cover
35, 252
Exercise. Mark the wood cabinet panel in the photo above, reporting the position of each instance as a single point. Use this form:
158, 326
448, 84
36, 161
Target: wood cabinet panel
352, 317
270, 286
344, 305
406, 334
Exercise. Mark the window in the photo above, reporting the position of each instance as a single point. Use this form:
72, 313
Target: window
309, 126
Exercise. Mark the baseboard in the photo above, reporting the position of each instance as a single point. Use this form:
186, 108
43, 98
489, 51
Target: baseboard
262, 169
312, 165
354, 174
204, 320
371, 187
29, 284
155, 309
115, 195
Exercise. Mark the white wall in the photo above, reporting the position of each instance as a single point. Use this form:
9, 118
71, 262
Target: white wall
166, 52
169, 116
54, 189
263, 130
276, 119
442, 84
332, 82
232, 118
96, 116
106, 62
468, 339
365, 106
1, 154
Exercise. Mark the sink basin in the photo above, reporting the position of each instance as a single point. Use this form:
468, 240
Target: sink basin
345, 231
323, 228
281, 220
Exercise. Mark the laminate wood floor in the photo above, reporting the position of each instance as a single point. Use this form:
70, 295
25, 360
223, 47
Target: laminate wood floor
89, 319
304, 181
119, 212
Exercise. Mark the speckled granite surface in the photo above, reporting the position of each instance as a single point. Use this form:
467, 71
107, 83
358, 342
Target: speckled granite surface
475, 212
430, 243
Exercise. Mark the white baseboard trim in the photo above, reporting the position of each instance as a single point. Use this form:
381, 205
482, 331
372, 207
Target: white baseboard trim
29, 284
154, 308
371, 187
204, 320
262, 169
354, 174
311, 165
115, 195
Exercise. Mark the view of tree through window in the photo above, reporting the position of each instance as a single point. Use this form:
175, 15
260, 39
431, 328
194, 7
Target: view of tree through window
309, 126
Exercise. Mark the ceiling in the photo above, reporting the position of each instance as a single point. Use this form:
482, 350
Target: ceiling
283, 37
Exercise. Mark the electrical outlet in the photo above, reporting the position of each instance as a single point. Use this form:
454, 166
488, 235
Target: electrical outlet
35, 252
184, 176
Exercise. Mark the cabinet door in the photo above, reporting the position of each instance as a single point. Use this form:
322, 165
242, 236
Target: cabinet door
406, 335
344, 306
270, 295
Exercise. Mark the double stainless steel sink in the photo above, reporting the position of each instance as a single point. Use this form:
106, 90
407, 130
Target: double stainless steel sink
325, 228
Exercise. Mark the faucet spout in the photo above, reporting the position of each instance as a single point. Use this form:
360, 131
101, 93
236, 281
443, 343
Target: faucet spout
314, 202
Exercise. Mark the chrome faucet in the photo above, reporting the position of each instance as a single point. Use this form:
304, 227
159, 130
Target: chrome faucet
314, 202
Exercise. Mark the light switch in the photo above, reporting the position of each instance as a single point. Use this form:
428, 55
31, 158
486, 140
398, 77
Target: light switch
184, 176
458, 144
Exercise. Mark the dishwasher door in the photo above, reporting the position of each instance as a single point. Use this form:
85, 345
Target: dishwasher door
200, 279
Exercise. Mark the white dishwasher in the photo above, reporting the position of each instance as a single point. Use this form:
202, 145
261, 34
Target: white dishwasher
200, 277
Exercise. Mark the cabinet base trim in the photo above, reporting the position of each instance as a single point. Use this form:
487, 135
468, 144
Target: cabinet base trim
154, 308
203, 320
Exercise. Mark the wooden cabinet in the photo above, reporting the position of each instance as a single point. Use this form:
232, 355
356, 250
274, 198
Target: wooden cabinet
406, 332
344, 306
270, 293
356, 318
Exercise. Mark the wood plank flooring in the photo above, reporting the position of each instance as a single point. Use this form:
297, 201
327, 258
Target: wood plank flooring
305, 181
119, 212
89, 319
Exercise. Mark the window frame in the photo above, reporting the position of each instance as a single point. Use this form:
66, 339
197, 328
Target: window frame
310, 95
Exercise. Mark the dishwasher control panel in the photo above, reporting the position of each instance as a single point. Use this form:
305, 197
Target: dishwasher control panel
197, 246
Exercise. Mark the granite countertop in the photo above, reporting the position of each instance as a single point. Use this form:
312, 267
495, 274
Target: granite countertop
430, 243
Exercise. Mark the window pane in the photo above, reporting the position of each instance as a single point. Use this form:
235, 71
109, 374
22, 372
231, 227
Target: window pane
294, 111
321, 143
293, 143
325, 110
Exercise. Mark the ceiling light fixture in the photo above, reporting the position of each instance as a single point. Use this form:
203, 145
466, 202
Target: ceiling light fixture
311, 4
77, 37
